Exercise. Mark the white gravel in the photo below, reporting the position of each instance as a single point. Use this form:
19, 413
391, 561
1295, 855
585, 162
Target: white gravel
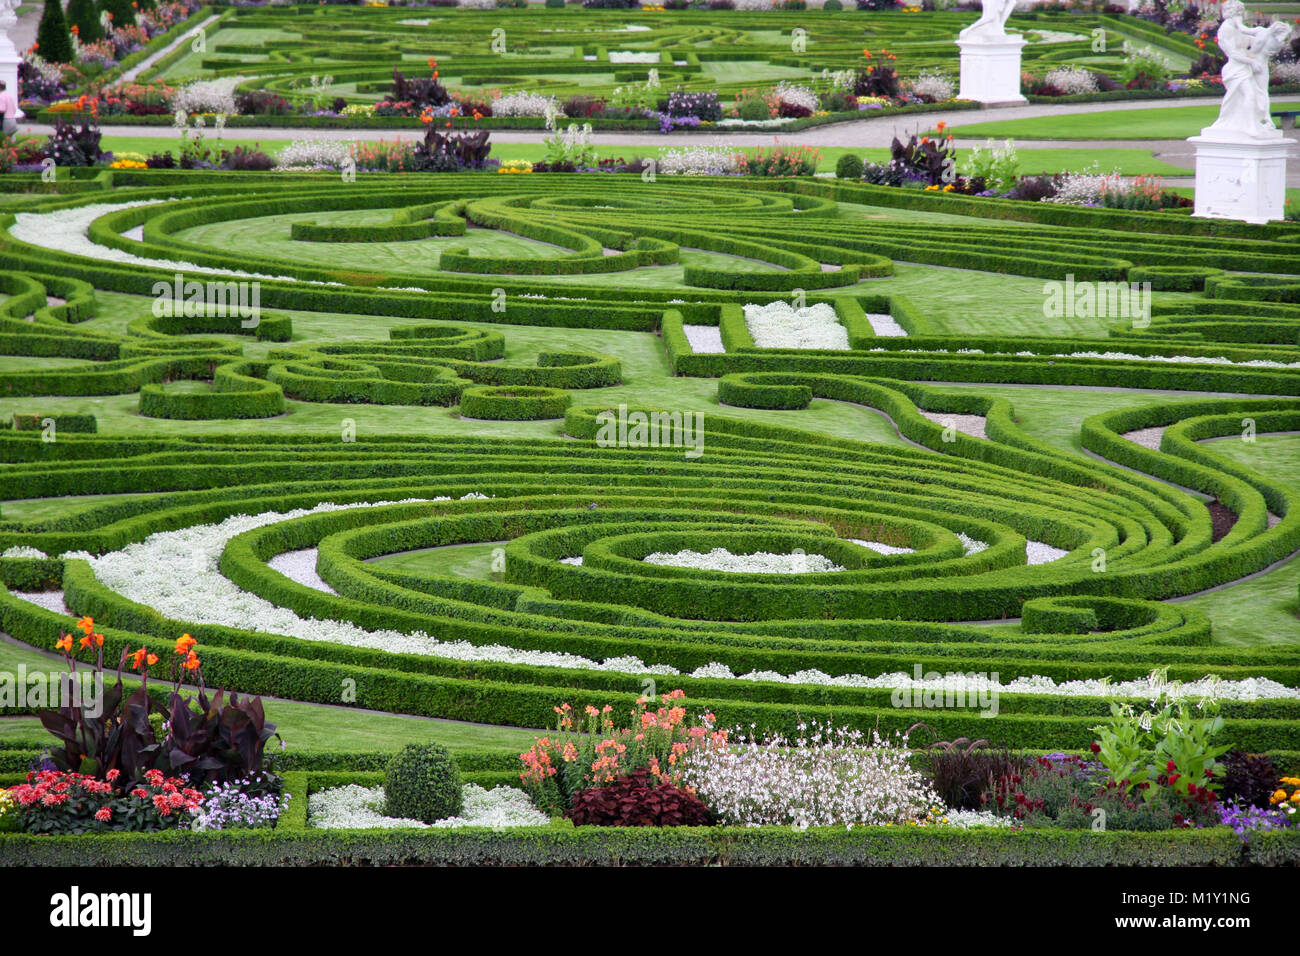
704, 338
885, 326
1039, 552
760, 562
971, 545
576, 561
778, 325
972, 425
1147, 437
50, 600
300, 566
880, 548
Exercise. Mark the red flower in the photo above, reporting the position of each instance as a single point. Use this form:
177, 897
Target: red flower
103, 814
1095, 747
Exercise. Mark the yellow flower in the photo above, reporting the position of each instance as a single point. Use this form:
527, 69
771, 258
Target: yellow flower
1278, 796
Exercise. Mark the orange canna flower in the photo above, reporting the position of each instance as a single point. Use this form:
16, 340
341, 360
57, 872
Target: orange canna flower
192, 662
184, 643
86, 624
64, 643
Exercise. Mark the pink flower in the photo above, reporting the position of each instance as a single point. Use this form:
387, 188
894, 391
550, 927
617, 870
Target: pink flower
103, 814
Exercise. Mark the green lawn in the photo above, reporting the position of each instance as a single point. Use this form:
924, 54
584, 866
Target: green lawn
1164, 122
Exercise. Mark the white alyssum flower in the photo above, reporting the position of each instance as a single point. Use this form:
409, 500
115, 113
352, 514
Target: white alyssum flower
778, 325
23, 551
355, 807
65, 231
965, 819
760, 562
971, 545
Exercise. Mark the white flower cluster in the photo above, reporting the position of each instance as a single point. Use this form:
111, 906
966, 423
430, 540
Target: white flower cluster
934, 84
207, 96
316, 154
697, 161
828, 776
1071, 79
704, 339
478, 4
778, 325
839, 79
23, 551
755, 4
882, 548
524, 103
1084, 188
797, 95
885, 325
633, 56
760, 562
354, 807
971, 545
965, 819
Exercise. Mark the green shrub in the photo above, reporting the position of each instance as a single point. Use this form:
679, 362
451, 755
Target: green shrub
422, 783
849, 166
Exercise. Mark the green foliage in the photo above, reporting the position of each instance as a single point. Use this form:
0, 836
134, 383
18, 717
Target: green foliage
423, 783
53, 39
849, 166
84, 15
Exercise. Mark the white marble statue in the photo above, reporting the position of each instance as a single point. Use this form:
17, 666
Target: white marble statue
992, 22
1244, 113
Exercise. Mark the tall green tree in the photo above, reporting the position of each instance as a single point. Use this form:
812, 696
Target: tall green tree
123, 12
84, 15
53, 41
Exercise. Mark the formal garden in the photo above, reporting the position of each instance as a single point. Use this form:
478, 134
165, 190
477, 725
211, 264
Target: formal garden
490, 463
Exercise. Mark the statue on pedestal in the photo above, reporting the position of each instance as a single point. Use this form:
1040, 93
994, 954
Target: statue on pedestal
1244, 112
992, 22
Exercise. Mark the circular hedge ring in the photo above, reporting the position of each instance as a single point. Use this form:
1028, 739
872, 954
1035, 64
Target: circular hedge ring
1174, 278
515, 403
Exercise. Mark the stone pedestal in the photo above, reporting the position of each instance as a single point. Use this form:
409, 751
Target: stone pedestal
990, 69
9, 57
1240, 178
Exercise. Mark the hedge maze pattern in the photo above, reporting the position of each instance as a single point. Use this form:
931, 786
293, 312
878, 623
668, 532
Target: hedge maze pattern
758, 485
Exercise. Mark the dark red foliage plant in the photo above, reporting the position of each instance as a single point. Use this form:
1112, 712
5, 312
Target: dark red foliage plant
631, 801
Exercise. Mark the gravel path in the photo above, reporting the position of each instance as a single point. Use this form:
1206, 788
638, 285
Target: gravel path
972, 425
1147, 437
130, 75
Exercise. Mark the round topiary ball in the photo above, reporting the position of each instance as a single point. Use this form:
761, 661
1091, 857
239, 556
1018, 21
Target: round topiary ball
849, 166
422, 783
832, 5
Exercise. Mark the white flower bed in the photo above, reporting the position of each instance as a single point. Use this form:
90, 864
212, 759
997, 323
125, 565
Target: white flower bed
526, 104
64, 230
300, 566
971, 545
633, 56
777, 325
760, 562
354, 807
704, 338
23, 551
697, 161
1110, 356
149, 572
208, 96
1040, 552
478, 4
885, 326
965, 819
881, 548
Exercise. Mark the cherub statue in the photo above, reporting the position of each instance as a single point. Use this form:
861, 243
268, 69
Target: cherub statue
992, 22
1244, 111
